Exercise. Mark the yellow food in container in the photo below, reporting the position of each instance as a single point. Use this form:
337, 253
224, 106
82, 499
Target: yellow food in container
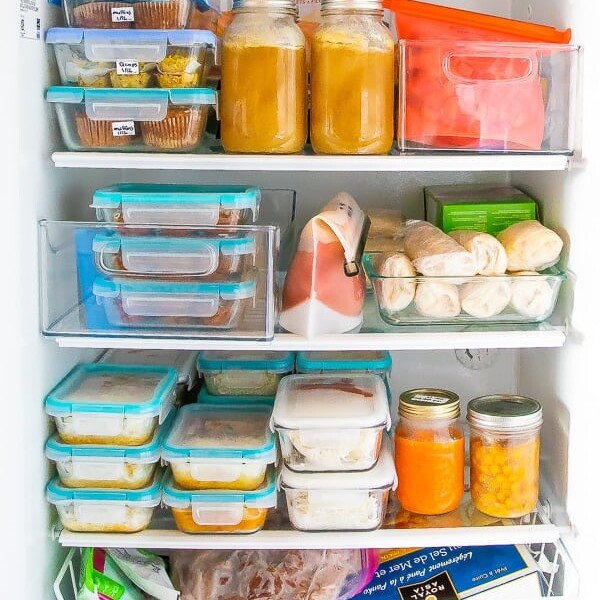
142, 79
180, 70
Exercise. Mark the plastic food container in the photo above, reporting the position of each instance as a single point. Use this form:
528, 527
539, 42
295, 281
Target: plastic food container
137, 120
124, 58
102, 466
525, 297
170, 304
209, 255
111, 404
104, 510
137, 14
220, 511
205, 398
244, 373
340, 501
331, 422
220, 447
311, 362
177, 204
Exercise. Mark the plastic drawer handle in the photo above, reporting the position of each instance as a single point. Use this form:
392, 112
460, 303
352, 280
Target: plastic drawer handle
530, 71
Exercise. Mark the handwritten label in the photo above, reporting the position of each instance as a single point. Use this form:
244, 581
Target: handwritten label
430, 399
128, 67
122, 15
121, 128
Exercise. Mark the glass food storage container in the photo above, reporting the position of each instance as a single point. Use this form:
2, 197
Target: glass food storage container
344, 361
244, 373
504, 454
132, 59
205, 398
263, 109
330, 422
177, 204
105, 510
352, 80
111, 404
342, 500
220, 447
220, 511
429, 452
138, 120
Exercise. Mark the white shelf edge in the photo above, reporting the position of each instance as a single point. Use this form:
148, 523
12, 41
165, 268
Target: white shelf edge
235, 162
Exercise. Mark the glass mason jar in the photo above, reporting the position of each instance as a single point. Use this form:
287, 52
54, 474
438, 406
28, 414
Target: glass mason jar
352, 80
429, 452
263, 99
504, 454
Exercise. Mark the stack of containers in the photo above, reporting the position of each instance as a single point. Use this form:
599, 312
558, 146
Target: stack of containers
111, 421
134, 78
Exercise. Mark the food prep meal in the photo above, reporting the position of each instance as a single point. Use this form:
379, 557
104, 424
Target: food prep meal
220, 511
205, 398
331, 422
111, 404
220, 447
313, 362
244, 373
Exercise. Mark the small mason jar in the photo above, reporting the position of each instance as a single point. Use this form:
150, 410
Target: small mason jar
504, 454
429, 452
263, 98
352, 80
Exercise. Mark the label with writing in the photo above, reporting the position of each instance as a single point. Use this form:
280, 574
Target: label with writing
122, 15
437, 588
430, 399
30, 23
128, 67
121, 128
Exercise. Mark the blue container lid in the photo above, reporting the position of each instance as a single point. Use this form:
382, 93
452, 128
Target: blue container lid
221, 432
368, 361
246, 360
115, 389
205, 398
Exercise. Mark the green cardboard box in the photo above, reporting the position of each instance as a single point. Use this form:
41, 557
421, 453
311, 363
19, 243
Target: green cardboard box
477, 207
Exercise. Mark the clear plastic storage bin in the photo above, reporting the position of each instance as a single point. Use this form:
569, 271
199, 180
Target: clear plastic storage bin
340, 501
104, 510
111, 404
205, 398
244, 373
202, 256
137, 120
120, 58
220, 511
137, 14
313, 362
485, 96
220, 447
177, 204
524, 297
331, 422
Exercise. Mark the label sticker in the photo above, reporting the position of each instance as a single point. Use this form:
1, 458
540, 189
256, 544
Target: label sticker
122, 15
30, 24
122, 128
430, 399
439, 587
128, 67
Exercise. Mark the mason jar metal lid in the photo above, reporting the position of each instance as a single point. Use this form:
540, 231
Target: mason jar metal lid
366, 5
429, 403
504, 411
288, 6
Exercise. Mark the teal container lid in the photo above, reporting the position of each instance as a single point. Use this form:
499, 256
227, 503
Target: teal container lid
76, 95
368, 361
115, 389
205, 398
246, 360
57, 493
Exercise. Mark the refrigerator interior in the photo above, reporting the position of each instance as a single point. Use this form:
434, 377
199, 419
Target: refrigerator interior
561, 378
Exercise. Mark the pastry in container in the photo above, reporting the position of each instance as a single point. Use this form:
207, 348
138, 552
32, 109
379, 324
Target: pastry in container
331, 422
342, 500
220, 447
111, 404
94, 14
161, 14
180, 129
177, 204
204, 397
105, 510
220, 511
244, 372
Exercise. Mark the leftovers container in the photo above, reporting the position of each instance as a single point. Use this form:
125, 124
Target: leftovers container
137, 14
244, 373
220, 511
107, 466
311, 362
148, 120
522, 297
340, 501
105, 510
205, 398
200, 255
122, 58
177, 204
220, 447
330, 422
141, 303
111, 404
